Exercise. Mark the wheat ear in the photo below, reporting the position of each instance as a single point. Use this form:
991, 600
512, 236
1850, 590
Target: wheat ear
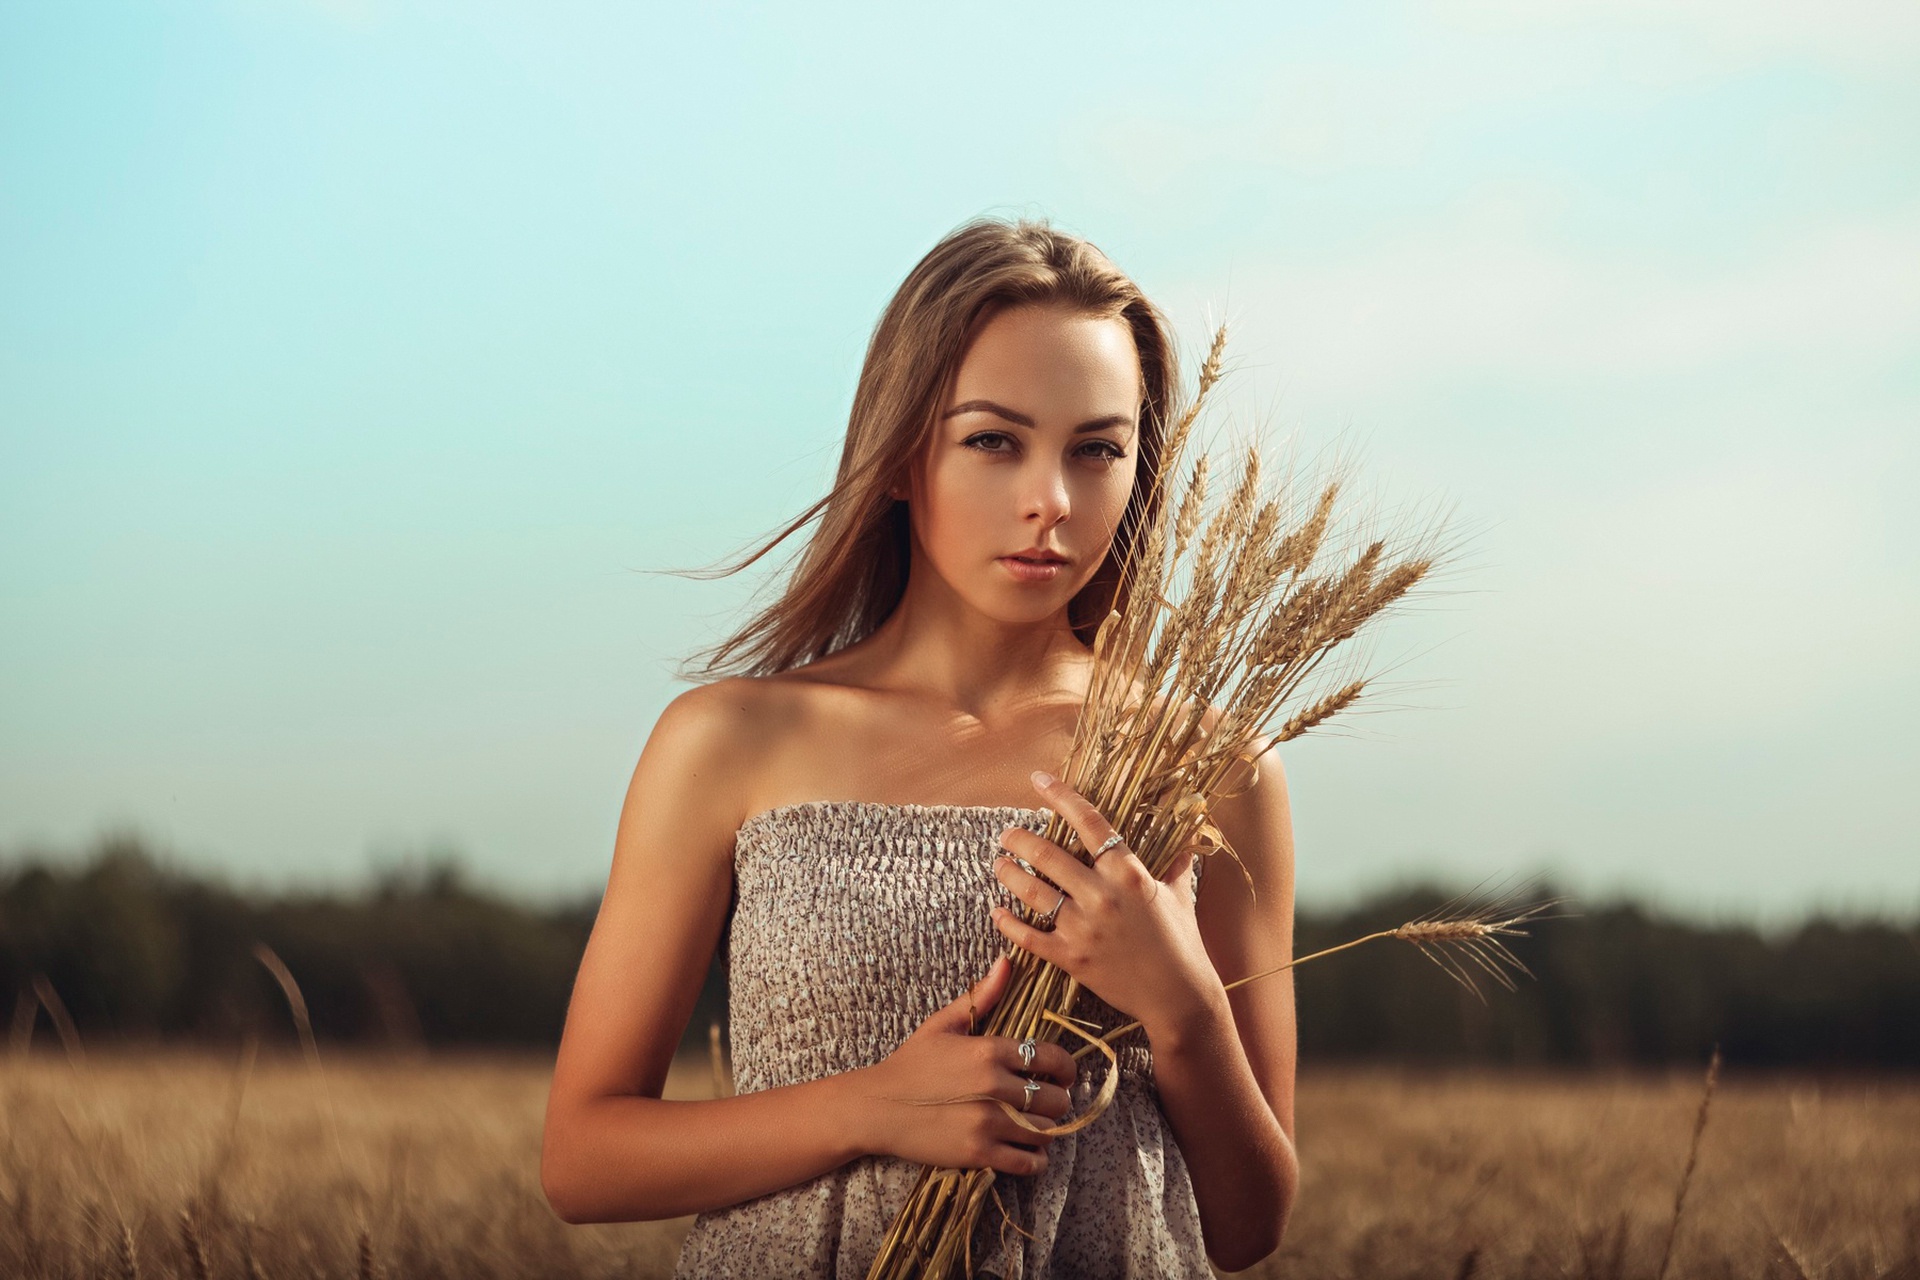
1441, 938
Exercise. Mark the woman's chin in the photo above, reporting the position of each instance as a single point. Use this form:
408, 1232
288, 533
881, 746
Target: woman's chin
1025, 606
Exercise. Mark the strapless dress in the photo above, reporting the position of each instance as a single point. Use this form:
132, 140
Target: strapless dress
852, 922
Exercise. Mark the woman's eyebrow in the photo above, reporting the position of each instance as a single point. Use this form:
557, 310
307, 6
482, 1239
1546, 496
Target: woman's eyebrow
1021, 419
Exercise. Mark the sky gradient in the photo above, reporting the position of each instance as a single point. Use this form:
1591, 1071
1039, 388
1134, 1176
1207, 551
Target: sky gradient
355, 358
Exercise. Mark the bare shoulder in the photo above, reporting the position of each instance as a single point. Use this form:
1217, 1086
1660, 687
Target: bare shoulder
709, 745
1260, 816
711, 756
714, 716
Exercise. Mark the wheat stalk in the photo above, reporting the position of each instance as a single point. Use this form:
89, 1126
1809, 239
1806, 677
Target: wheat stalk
70, 1043
298, 1004
1443, 938
62, 1022
1217, 654
1693, 1156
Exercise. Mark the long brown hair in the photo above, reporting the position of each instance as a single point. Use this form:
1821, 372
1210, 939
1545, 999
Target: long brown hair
854, 569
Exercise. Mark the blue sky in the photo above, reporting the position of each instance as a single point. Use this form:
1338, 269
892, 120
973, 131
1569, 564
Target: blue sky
355, 357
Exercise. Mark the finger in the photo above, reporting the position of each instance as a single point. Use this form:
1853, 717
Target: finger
1057, 1063
1031, 1126
1023, 884
1008, 1158
1049, 1060
972, 1004
1182, 865
1049, 860
1049, 1101
1086, 820
1187, 880
993, 984
1042, 944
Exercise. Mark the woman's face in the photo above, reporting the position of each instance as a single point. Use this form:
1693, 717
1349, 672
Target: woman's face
1032, 460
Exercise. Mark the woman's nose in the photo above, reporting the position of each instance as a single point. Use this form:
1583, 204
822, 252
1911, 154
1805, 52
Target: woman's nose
1046, 494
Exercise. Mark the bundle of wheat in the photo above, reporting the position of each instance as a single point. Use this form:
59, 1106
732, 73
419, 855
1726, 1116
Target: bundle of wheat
1185, 696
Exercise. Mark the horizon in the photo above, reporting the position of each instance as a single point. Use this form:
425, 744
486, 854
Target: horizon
414, 868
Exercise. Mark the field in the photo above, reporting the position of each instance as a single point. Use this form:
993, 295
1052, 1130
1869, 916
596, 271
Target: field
162, 1165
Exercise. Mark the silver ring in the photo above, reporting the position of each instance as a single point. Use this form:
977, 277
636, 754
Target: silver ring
1031, 1087
1045, 921
1019, 862
1027, 1051
1111, 841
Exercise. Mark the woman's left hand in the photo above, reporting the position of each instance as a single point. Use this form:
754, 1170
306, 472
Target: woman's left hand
1133, 940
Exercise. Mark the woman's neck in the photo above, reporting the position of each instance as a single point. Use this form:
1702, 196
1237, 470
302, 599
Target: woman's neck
935, 644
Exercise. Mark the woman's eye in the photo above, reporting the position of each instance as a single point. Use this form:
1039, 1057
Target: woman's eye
990, 442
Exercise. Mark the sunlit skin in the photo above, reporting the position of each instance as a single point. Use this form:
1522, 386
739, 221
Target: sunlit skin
969, 685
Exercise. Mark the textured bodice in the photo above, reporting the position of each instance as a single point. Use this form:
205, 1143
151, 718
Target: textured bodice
854, 920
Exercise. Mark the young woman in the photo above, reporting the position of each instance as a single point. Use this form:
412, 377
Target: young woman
832, 807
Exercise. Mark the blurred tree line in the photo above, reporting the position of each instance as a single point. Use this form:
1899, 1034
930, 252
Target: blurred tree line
136, 951
1617, 984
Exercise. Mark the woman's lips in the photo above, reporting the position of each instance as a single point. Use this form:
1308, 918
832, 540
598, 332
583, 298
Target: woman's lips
1032, 570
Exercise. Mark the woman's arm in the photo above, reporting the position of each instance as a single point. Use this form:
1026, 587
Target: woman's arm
1226, 1077
613, 1150
1223, 1060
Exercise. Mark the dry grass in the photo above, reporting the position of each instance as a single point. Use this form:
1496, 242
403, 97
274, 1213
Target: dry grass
399, 1168
1405, 1174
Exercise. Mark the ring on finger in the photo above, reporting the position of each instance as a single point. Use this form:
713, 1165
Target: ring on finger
1018, 861
1027, 1050
1105, 845
1030, 1088
1045, 920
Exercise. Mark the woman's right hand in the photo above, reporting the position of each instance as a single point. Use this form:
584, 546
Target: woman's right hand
908, 1096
